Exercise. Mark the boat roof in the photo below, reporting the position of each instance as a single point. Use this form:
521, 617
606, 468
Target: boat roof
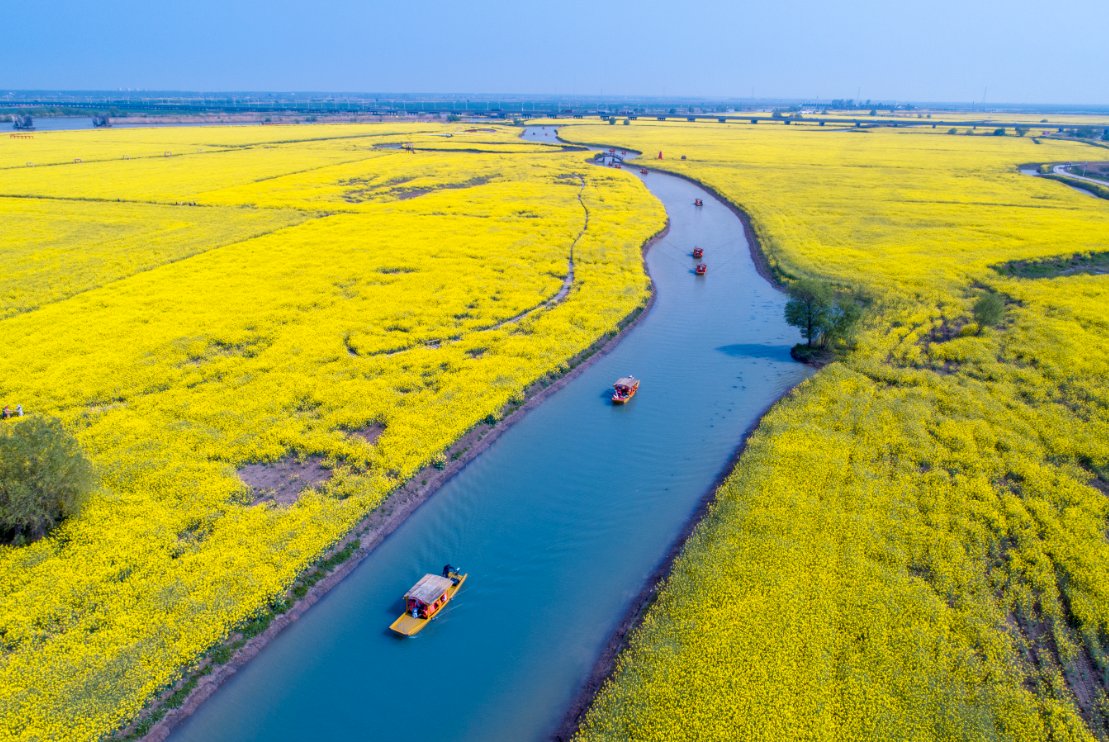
429, 589
626, 381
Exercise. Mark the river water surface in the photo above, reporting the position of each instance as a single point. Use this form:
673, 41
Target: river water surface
559, 523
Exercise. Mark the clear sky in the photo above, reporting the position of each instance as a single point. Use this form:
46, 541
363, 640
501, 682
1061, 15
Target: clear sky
942, 50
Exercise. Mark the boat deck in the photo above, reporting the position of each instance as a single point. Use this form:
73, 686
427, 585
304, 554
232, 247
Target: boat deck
408, 625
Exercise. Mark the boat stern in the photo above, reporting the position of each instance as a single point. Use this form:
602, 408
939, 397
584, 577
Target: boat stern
406, 625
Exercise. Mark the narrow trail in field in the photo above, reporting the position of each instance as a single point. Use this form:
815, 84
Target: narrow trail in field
549, 303
568, 281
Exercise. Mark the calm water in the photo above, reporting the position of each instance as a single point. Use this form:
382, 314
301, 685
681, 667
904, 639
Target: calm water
56, 123
559, 524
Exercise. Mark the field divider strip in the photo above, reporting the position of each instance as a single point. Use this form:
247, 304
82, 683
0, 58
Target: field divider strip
549, 303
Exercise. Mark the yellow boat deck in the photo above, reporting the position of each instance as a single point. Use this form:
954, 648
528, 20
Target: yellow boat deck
408, 625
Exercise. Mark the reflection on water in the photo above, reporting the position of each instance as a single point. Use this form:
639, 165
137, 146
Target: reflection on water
559, 524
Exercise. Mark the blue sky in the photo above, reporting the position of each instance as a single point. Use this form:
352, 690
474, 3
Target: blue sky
1015, 51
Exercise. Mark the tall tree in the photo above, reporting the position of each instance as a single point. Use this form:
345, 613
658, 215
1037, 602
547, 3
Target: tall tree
808, 307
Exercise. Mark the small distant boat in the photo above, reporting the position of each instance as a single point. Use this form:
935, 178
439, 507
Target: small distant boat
643, 171
701, 269
698, 252
698, 202
624, 389
426, 599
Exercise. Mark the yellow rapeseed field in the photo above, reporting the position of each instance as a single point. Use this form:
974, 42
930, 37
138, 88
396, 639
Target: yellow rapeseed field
264, 294
914, 544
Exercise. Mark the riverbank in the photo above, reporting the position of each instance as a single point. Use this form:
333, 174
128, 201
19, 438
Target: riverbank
366, 537
606, 662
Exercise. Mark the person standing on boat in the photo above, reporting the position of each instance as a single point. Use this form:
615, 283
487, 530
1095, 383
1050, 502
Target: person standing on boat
448, 570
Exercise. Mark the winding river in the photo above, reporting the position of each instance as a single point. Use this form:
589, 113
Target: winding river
560, 524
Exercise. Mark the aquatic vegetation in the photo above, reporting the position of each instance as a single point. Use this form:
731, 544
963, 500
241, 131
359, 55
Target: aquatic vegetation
276, 320
913, 544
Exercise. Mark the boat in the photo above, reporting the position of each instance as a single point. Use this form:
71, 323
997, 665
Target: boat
698, 252
698, 202
426, 599
624, 389
642, 171
701, 269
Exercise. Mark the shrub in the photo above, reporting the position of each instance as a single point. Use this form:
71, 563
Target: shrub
989, 310
44, 478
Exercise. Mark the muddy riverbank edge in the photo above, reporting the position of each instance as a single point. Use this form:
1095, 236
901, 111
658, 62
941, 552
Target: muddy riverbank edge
605, 666
205, 679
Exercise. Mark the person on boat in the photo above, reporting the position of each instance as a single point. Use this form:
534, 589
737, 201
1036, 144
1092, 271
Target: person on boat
449, 571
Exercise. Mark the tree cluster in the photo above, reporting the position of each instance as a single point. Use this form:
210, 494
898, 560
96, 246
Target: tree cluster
44, 478
826, 318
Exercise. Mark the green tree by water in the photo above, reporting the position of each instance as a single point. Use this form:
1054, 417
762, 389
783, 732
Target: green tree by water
44, 478
826, 319
808, 307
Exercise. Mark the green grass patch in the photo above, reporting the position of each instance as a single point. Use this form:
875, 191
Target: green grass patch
1064, 265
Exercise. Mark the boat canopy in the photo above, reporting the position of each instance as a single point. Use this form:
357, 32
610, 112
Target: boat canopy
429, 589
628, 381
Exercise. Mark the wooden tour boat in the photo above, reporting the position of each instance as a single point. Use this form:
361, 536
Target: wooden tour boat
698, 252
701, 269
426, 599
624, 389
